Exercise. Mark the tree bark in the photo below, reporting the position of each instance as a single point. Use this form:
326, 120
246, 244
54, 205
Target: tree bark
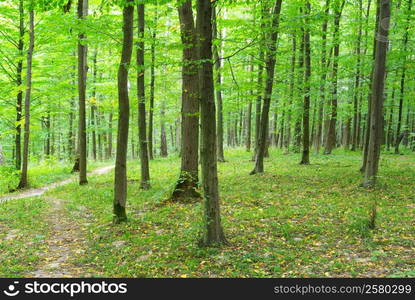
19, 103
188, 179
403, 77
305, 160
152, 87
120, 179
331, 135
23, 176
270, 70
216, 58
145, 169
213, 233
377, 99
82, 77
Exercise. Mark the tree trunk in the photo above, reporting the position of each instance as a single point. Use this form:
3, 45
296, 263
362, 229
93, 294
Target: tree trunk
403, 77
216, 58
331, 135
120, 183
152, 86
270, 69
213, 234
188, 179
82, 76
292, 82
305, 160
94, 109
378, 84
145, 169
357, 83
23, 176
19, 103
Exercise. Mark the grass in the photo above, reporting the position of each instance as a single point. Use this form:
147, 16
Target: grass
22, 235
291, 221
40, 174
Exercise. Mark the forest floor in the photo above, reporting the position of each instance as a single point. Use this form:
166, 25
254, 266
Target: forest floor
291, 221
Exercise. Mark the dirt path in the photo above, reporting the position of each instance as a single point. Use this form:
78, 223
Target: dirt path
40, 191
66, 241
66, 238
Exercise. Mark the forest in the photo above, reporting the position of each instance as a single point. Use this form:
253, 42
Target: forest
199, 138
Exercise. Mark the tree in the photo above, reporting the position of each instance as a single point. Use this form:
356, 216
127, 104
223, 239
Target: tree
305, 160
82, 76
398, 135
219, 100
19, 103
331, 135
120, 179
23, 176
145, 170
269, 81
188, 179
213, 228
377, 95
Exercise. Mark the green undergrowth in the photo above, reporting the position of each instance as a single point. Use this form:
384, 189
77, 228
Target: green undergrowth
293, 220
40, 174
22, 235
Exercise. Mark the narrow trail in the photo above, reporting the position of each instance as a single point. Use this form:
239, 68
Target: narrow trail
41, 190
66, 238
66, 241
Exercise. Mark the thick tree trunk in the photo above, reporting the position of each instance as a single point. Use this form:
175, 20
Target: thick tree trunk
82, 76
145, 169
367, 125
270, 69
213, 229
216, 58
120, 183
19, 103
23, 176
378, 85
188, 179
305, 160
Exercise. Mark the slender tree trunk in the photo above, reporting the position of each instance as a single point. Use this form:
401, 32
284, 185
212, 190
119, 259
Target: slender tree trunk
331, 135
23, 176
19, 103
82, 76
270, 69
120, 183
216, 58
144, 157
109, 151
94, 109
403, 77
305, 160
249, 117
292, 82
187, 184
378, 85
213, 229
152, 86
357, 82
